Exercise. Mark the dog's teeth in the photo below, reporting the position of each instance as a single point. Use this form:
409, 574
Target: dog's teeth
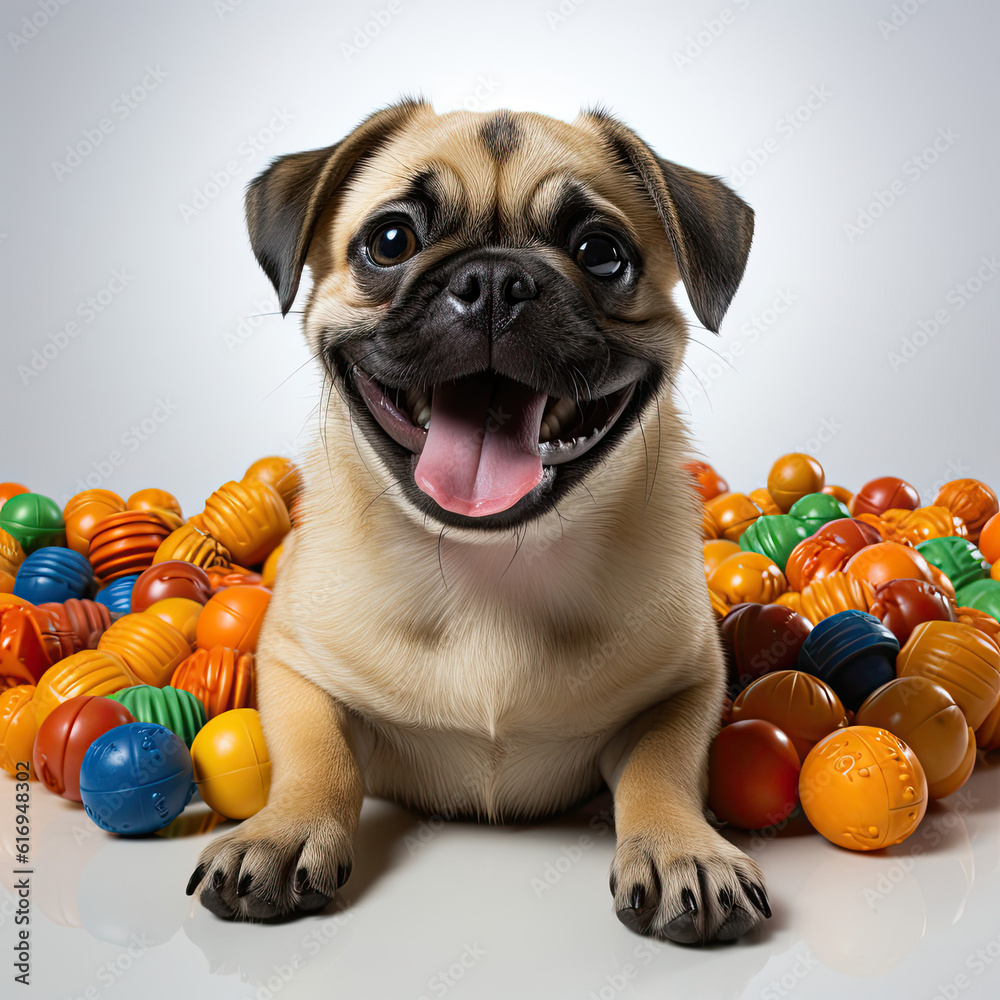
413, 396
563, 410
423, 417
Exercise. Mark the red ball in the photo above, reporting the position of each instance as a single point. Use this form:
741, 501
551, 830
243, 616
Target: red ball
753, 775
882, 494
758, 639
170, 578
901, 605
65, 736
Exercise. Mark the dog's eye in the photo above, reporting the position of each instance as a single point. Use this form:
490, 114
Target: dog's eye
393, 244
600, 255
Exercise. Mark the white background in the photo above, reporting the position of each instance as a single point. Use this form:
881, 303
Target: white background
818, 376
248, 81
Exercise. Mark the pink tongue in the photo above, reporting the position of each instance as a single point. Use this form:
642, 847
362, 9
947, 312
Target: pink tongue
481, 453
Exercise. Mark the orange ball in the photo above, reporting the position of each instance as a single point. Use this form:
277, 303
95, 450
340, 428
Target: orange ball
747, 576
715, 550
734, 513
6, 582
863, 788
980, 620
926, 718
974, 502
190, 544
279, 473
719, 606
11, 553
152, 499
709, 526
8, 490
91, 671
988, 733
884, 561
151, 647
840, 493
835, 592
233, 618
220, 678
180, 612
817, 556
803, 707
84, 512
958, 657
24, 653
764, 502
708, 482
989, 539
792, 477
125, 543
18, 728
248, 518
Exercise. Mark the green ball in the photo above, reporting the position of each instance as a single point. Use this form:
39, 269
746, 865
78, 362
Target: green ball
774, 535
34, 520
957, 558
983, 595
816, 509
179, 711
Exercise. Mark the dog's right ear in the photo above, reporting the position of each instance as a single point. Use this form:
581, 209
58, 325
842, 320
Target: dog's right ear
284, 202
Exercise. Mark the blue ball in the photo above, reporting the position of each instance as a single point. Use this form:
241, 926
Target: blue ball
853, 652
117, 595
52, 573
136, 778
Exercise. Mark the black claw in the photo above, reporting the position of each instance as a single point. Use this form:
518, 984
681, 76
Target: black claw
218, 877
301, 879
689, 902
726, 899
638, 896
759, 899
613, 884
243, 886
196, 876
344, 873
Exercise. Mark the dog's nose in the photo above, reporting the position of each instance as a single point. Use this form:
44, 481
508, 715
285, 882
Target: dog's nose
494, 289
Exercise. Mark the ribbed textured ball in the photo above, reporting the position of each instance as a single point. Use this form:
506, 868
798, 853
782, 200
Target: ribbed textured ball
151, 648
125, 543
189, 544
249, 518
52, 574
180, 711
220, 678
91, 671
77, 624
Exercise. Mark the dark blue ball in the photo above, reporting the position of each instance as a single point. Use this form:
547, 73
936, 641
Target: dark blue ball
54, 574
853, 652
136, 778
117, 595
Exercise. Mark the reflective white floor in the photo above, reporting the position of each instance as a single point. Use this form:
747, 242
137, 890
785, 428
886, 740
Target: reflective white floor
465, 911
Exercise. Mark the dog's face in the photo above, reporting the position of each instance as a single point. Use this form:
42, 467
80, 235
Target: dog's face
492, 292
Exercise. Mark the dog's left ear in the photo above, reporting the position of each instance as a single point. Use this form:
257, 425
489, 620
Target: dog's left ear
709, 226
285, 201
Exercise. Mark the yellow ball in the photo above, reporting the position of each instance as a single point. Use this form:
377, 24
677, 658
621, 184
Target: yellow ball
181, 612
232, 768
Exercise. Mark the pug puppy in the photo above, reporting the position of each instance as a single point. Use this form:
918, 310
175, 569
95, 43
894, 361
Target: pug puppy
492, 602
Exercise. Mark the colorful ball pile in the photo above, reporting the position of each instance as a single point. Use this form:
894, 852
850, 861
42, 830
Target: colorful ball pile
124, 628
862, 638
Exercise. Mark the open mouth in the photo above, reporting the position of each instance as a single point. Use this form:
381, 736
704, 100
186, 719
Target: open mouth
483, 440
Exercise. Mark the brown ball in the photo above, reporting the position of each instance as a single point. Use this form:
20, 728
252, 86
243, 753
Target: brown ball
792, 477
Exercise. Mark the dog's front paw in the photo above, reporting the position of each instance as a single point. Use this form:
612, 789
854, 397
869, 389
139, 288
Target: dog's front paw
690, 890
273, 866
